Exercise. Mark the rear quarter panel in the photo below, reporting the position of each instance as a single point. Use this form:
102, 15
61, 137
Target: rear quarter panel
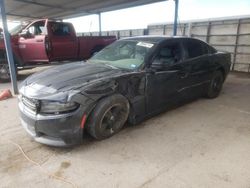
223, 60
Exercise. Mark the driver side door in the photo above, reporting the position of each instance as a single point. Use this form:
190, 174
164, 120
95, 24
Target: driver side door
32, 43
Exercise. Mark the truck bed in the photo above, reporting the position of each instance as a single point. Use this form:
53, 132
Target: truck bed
92, 44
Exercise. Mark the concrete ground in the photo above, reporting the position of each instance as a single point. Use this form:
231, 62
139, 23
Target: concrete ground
205, 143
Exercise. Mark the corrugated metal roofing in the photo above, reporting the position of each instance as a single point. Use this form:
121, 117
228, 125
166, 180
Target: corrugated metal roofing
23, 10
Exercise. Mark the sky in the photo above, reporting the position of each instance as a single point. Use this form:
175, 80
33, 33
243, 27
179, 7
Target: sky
141, 16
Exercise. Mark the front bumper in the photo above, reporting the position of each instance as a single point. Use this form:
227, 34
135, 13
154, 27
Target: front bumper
54, 130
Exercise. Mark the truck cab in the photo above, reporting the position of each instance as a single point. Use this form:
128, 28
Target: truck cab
44, 41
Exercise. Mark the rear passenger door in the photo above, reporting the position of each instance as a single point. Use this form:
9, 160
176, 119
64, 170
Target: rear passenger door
198, 59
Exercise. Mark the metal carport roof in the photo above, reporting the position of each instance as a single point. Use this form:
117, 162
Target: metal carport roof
60, 9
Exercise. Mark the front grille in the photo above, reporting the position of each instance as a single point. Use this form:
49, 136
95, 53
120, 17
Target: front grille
32, 104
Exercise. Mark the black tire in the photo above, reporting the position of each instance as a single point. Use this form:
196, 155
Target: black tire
108, 117
215, 85
5, 72
4, 67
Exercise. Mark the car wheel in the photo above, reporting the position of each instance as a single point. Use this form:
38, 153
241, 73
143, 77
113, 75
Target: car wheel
108, 117
215, 85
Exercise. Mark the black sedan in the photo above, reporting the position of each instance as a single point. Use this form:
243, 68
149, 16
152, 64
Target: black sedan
128, 81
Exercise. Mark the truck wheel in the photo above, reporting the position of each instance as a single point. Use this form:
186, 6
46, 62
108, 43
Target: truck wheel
108, 117
215, 85
5, 72
4, 66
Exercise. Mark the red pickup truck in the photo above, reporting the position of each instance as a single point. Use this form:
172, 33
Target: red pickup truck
44, 41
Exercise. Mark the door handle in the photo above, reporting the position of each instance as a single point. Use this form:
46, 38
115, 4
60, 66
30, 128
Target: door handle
39, 40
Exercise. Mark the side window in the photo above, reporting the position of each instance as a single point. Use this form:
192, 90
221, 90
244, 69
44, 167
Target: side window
60, 29
169, 54
32, 30
194, 48
37, 28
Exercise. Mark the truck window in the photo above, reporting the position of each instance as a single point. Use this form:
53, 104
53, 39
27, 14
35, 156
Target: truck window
60, 29
37, 28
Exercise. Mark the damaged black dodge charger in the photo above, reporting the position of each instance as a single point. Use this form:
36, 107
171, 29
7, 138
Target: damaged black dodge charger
128, 81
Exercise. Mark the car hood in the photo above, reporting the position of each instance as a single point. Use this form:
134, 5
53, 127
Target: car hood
66, 78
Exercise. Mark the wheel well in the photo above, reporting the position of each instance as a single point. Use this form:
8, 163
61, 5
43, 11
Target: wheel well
3, 56
97, 101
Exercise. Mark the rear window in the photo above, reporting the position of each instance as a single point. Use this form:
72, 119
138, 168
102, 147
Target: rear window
60, 29
211, 50
196, 48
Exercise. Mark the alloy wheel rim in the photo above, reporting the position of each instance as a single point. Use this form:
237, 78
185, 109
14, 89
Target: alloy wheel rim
112, 119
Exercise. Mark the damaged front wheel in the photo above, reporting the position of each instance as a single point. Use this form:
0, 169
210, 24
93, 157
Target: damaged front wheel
108, 117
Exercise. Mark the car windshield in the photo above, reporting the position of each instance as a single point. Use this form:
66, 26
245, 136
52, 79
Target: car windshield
125, 54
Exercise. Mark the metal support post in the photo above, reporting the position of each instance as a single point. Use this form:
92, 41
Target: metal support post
236, 44
176, 17
100, 24
8, 48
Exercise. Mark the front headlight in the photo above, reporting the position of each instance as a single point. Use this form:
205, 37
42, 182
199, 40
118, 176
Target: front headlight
55, 107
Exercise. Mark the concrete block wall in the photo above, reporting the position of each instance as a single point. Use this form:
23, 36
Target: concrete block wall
226, 34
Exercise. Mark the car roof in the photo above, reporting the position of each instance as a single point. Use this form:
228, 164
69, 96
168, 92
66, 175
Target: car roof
154, 39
